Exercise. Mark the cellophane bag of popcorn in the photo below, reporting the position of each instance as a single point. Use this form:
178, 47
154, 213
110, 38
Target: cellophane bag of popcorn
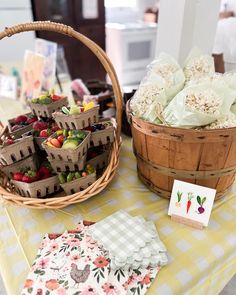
164, 78
228, 121
148, 101
166, 69
199, 105
198, 65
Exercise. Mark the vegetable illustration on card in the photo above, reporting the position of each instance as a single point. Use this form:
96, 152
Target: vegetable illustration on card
179, 195
201, 201
191, 201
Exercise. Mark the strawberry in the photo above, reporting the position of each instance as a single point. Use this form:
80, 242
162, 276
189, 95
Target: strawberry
32, 176
26, 178
55, 128
44, 172
38, 125
31, 120
56, 97
18, 176
21, 118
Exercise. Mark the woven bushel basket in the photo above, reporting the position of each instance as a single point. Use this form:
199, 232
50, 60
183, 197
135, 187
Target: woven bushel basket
202, 157
7, 191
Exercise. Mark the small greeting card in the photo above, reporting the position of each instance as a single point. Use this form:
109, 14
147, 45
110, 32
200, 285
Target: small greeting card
191, 202
8, 86
32, 76
49, 50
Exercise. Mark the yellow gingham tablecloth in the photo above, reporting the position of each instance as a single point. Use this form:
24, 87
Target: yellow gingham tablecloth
200, 261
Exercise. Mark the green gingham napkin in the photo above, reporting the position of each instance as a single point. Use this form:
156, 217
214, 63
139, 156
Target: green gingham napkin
131, 241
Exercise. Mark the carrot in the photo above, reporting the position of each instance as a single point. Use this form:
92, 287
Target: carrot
189, 203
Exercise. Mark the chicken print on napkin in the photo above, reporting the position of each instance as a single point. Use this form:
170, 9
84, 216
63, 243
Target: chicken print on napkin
75, 264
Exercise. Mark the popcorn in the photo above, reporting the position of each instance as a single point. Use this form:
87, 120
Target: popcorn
199, 67
224, 122
144, 97
206, 102
166, 71
194, 98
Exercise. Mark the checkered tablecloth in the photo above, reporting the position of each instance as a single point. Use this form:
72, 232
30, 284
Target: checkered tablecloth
200, 261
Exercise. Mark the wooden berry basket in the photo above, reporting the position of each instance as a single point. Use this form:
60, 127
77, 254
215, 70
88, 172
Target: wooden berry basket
27, 162
68, 155
60, 166
46, 110
79, 184
102, 137
37, 189
79, 121
7, 192
17, 134
100, 161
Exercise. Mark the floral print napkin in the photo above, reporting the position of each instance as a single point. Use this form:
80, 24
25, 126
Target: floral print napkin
75, 264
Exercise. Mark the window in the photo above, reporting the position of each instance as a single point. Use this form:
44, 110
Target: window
120, 3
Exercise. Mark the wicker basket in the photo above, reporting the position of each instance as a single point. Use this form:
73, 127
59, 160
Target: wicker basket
68, 155
27, 162
21, 131
21, 149
46, 110
37, 189
102, 137
79, 184
6, 190
60, 166
203, 157
79, 121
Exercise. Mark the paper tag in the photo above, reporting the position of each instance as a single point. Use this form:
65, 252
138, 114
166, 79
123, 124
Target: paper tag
191, 201
8, 86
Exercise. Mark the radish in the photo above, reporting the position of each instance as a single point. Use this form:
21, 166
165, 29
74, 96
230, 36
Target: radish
201, 202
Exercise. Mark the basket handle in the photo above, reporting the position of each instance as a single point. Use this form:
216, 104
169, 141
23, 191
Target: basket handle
97, 50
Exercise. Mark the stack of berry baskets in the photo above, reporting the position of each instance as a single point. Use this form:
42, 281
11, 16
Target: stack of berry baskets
67, 148
19, 157
19, 163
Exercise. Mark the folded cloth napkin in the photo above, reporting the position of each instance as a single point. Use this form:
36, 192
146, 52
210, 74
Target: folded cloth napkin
74, 263
131, 241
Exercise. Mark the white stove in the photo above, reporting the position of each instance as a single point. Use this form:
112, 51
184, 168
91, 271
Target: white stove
131, 47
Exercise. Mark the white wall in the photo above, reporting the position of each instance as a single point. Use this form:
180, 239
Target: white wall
184, 24
15, 12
